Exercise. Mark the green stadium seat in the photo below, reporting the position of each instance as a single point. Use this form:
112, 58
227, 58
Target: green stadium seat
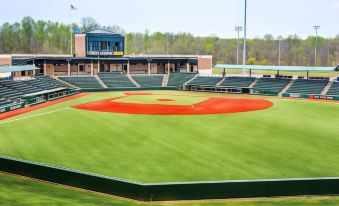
177, 79
88, 82
149, 80
334, 90
304, 86
115, 80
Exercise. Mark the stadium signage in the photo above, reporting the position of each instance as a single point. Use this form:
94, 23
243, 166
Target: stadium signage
118, 53
10, 108
105, 53
295, 95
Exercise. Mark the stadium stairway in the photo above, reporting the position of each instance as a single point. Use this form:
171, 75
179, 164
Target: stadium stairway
334, 90
221, 81
133, 81
287, 87
165, 80
253, 83
327, 88
100, 81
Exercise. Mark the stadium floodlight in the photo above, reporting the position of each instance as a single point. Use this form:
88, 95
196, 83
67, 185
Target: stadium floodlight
279, 39
238, 29
316, 44
245, 33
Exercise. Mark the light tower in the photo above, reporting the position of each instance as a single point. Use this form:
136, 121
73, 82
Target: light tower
316, 44
238, 29
279, 39
245, 30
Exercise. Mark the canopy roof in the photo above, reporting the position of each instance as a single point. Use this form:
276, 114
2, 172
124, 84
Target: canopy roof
17, 68
277, 68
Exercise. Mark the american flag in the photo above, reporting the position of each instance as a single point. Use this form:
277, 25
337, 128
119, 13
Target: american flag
74, 7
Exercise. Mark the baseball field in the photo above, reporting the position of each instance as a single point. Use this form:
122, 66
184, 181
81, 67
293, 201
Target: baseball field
171, 136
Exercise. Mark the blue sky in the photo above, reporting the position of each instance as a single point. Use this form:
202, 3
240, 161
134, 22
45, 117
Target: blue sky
200, 17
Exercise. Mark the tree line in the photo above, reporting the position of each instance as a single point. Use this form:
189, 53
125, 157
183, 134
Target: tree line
30, 36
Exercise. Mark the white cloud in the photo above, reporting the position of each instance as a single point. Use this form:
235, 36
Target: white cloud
336, 5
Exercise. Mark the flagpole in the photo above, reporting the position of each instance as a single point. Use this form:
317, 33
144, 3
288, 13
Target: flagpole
71, 27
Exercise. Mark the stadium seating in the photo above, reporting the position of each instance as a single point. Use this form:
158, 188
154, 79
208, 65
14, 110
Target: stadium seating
270, 84
205, 81
177, 79
149, 80
239, 82
50, 80
334, 90
88, 82
8, 93
115, 80
4, 102
45, 83
16, 89
304, 86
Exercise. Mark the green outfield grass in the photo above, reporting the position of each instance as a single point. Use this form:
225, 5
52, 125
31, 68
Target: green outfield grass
291, 139
16, 191
287, 73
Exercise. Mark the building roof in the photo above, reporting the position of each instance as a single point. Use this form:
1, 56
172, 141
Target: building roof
101, 32
278, 68
45, 92
17, 68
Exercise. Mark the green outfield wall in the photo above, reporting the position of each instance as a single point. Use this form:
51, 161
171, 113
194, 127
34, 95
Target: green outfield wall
171, 191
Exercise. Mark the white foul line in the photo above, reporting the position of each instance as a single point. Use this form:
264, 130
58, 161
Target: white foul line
37, 115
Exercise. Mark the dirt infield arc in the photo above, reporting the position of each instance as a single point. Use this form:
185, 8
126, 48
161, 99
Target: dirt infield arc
213, 105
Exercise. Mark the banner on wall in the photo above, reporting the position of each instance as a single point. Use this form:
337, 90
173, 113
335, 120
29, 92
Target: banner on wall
5, 75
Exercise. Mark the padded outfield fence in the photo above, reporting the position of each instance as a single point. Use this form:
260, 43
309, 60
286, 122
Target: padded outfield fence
172, 191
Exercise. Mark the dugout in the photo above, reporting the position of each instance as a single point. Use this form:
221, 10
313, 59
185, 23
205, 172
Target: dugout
46, 95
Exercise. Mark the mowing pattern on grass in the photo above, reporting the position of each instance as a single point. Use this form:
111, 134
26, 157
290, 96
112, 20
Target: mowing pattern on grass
290, 139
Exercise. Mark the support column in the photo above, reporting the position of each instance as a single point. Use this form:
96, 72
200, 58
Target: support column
98, 66
250, 72
34, 67
68, 69
92, 68
278, 73
128, 68
149, 68
53, 69
308, 74
168, 68
188, 67
45, 68
78, 69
